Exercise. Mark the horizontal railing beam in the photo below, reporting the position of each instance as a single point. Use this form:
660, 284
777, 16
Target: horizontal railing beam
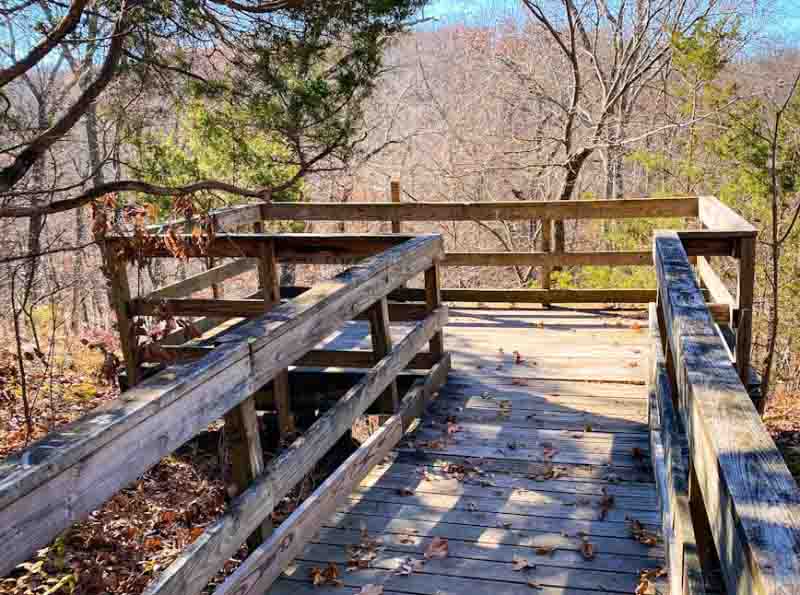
549, 259
750, 498
206, 279
483, 211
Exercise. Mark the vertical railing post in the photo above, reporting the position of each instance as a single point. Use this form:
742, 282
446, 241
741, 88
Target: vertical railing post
547, 247
744, 325
395, 192
381, 334
269, 283
433, 299
119, 296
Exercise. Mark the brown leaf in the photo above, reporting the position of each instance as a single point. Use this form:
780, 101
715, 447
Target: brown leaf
544, 550
438, 548
606, 504
587, 549
519, 564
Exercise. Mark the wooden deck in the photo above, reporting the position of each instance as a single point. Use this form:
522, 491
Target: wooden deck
519, 454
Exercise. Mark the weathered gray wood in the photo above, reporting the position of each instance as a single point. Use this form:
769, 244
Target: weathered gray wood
289, 247
547, 259
433, 299
246, 456
93, 458
119, 293
716, 288
744, 324
192, 570
205, 279
535, 296
266, 563
718, 216
381, 336
483, 211
395, 192
751, 500
494, 536
666, 429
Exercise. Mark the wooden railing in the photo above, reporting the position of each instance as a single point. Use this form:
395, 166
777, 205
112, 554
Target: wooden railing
727, 497
723, 234
69, 473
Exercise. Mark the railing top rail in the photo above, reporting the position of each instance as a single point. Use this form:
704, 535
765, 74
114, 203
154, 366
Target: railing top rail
685, 206
752, 502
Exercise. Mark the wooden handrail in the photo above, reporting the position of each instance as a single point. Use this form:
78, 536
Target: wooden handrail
161, 413
748, 493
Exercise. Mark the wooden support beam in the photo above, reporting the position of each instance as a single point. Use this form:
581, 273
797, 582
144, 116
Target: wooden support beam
269, 282
82, 459
190, 573
744, 322
246, 455
484, 211
265, 564
751, 501
395, 192
290, 247
433, 300
203, 280
547, 248
119, 297
546, 259
246, 308
381, 335
717, 216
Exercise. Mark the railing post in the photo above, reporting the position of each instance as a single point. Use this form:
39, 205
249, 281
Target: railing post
246, 456
395, 192
433, 299
269, 282
547, 247
120, 295
744, 326
381, 334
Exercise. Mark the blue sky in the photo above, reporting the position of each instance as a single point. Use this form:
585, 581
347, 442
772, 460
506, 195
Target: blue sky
784, 21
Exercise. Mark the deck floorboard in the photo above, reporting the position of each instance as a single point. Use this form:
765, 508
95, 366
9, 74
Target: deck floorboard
545, 449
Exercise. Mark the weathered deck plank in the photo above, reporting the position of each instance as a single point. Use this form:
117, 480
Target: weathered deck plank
576, 405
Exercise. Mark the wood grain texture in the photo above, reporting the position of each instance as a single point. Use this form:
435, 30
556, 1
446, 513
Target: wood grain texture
717, 216
94, 457
484, 211
548, 259
200, 281
752, 502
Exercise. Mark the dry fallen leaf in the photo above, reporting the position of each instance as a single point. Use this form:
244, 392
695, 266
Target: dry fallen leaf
606, 504
438, 548
587, 549
544, 550
519, 564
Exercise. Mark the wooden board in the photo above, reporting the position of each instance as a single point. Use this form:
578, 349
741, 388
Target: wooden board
750, 498
537, 459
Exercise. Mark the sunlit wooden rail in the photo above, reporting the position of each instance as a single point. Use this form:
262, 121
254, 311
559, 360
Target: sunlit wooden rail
728, 499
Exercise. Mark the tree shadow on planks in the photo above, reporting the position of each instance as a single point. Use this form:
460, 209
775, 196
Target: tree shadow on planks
489, 518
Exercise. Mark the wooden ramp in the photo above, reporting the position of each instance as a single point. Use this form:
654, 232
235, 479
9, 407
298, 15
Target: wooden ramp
534, 466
